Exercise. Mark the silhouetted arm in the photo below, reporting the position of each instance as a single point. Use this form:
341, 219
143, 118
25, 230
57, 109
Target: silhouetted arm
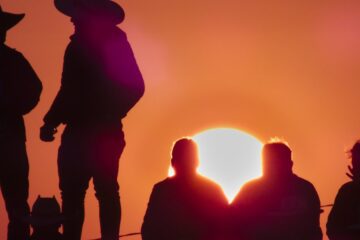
219, 227
60, 107
153, 225
312, 230
340, 215
242, 214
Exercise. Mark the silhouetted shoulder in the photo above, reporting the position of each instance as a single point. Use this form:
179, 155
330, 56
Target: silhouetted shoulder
10, 51
252, 184
23, 87
349, 187
164, 187
305, 185
302, 180
208, 183
250, 187
167, 182
12, 57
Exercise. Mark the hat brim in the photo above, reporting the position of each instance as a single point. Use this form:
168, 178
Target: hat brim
9, 20
110, 9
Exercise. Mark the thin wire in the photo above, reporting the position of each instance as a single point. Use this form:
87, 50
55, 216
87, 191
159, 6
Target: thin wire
124, 235
327, 205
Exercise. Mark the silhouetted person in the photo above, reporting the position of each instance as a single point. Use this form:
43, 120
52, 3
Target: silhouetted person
344, 218
187, 205
100, 83
20, 90
46, 219
279, 205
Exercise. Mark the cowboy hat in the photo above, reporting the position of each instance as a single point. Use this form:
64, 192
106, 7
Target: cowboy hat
8, 20
102, 8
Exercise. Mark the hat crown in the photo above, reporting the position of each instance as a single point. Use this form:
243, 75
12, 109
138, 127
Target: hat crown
106, 9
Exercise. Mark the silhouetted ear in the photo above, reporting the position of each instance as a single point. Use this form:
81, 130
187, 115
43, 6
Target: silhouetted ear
39, 196
53, 197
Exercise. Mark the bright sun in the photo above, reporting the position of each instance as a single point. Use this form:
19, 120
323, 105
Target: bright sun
229, 157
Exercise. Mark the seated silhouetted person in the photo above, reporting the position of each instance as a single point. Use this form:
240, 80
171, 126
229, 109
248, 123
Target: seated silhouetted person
279, 205
344, 218
187, 205
20, 90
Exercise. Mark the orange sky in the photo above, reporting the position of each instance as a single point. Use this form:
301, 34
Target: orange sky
271, 68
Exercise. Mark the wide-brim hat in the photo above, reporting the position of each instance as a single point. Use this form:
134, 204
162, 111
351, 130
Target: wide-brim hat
8, 20
101, 8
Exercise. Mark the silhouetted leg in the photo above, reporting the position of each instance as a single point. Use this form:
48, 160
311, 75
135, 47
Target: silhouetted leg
14, 186
74, 179
106, 164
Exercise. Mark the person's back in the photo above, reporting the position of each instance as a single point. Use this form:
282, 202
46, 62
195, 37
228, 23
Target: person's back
287, 209
180, 207
344, 218
279, 206
101, 81
20, 92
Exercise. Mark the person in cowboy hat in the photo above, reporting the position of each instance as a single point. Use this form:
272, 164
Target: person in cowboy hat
20, 90
100, 83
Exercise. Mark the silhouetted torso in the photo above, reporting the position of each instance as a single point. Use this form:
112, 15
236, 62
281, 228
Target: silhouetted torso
101, 81
20, 90
282, 209
177, 209
344, 218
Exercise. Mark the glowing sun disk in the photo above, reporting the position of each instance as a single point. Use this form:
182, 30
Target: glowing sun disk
229, 157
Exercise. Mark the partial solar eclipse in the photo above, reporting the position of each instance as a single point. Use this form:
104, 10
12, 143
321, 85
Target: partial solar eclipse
229, 157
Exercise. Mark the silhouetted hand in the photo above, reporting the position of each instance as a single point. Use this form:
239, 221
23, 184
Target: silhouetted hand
354, 175
47, 133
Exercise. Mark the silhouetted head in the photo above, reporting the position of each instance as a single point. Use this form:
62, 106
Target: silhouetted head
276, 160
185, 158
355, 159
91, 13
7, 21
46, 214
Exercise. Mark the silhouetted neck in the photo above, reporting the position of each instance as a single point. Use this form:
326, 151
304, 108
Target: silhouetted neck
96, 36
185, 177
